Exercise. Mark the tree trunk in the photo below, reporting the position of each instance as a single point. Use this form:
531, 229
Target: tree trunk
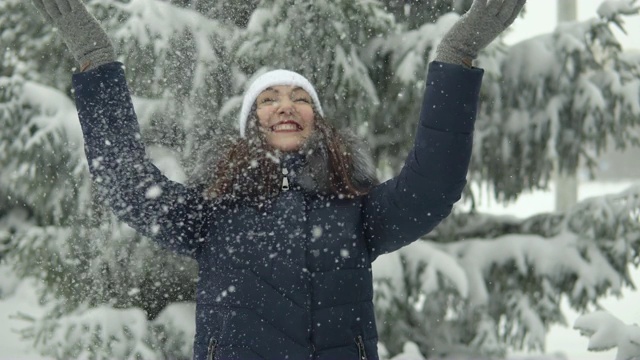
566, 183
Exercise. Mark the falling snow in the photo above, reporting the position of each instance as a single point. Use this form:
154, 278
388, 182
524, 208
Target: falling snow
70, 270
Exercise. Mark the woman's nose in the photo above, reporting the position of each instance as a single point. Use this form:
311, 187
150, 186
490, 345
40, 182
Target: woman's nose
286, 106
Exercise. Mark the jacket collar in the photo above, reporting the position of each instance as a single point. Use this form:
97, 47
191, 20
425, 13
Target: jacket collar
310, 165
307, 169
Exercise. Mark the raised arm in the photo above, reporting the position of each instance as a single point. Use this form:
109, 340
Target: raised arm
411, 204
138, 192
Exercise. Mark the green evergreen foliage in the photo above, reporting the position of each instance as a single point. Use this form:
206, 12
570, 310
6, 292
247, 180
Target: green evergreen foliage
494, 282
412, 14
322, 40
577, 96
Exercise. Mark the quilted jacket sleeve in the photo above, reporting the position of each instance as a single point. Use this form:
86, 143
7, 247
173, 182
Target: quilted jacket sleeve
399, 211
137, 191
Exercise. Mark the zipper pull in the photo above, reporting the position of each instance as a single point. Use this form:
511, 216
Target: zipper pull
362, 355
285, 180
211, 350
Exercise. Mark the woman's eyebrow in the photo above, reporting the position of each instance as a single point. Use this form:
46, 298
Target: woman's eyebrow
295, 89
298, 88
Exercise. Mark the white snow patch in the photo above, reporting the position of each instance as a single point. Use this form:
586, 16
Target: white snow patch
168, 161
133, 291
153, 192
410, 351
605, 332
59, 111
609, 9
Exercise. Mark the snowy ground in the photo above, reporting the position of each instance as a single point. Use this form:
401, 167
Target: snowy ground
560, 339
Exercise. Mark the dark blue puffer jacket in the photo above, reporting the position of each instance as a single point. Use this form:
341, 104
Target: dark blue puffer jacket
291, 279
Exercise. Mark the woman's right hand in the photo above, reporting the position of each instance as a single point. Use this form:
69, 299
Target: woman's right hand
82, 33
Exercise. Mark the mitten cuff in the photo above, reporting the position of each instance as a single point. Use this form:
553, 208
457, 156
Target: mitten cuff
451, 56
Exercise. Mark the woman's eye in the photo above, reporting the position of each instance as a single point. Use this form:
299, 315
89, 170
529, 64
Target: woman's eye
303, 100
266, 100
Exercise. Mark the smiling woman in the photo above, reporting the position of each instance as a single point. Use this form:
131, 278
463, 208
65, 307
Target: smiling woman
284, 138
286, 234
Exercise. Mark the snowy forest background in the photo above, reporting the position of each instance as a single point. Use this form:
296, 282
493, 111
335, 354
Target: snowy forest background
477, 286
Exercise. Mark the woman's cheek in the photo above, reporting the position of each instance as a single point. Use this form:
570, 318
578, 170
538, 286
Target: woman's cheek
263, 116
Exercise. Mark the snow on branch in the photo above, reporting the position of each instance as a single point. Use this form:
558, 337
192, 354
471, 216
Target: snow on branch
593, 242
161, 40
426, 259
54, 119
99, 332
605, 332
155, 23
410, 351
513, 273
556, 259
554, 98
106, 332
613, 9
410, 51
40, 139
613, 220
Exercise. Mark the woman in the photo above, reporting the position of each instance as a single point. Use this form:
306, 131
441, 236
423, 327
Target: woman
286, 232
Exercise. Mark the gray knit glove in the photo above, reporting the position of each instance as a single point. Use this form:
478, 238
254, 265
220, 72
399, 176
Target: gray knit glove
82, 33
476, 29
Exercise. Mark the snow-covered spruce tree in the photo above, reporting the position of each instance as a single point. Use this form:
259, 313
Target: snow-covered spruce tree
562, 95
98, 275
505, 277
559, 97
359, 56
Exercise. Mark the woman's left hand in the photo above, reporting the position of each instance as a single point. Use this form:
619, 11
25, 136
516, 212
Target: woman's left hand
476, 29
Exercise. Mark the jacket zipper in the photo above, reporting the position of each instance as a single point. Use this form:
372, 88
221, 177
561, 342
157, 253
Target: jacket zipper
211, 350
285, 180
307, 231
362, 355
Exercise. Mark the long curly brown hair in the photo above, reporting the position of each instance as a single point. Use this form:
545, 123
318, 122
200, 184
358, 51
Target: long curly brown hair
250, 169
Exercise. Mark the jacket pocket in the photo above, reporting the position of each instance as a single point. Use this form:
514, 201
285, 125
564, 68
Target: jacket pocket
211, 349
362, 354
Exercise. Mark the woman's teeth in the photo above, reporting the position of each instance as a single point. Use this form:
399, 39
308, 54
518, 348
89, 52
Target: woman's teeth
285, 127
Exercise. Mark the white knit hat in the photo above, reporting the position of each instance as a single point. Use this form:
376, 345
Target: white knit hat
274, 78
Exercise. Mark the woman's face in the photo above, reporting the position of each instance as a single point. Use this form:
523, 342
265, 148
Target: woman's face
285, 115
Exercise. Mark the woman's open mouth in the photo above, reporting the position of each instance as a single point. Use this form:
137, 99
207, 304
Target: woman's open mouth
287, 126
